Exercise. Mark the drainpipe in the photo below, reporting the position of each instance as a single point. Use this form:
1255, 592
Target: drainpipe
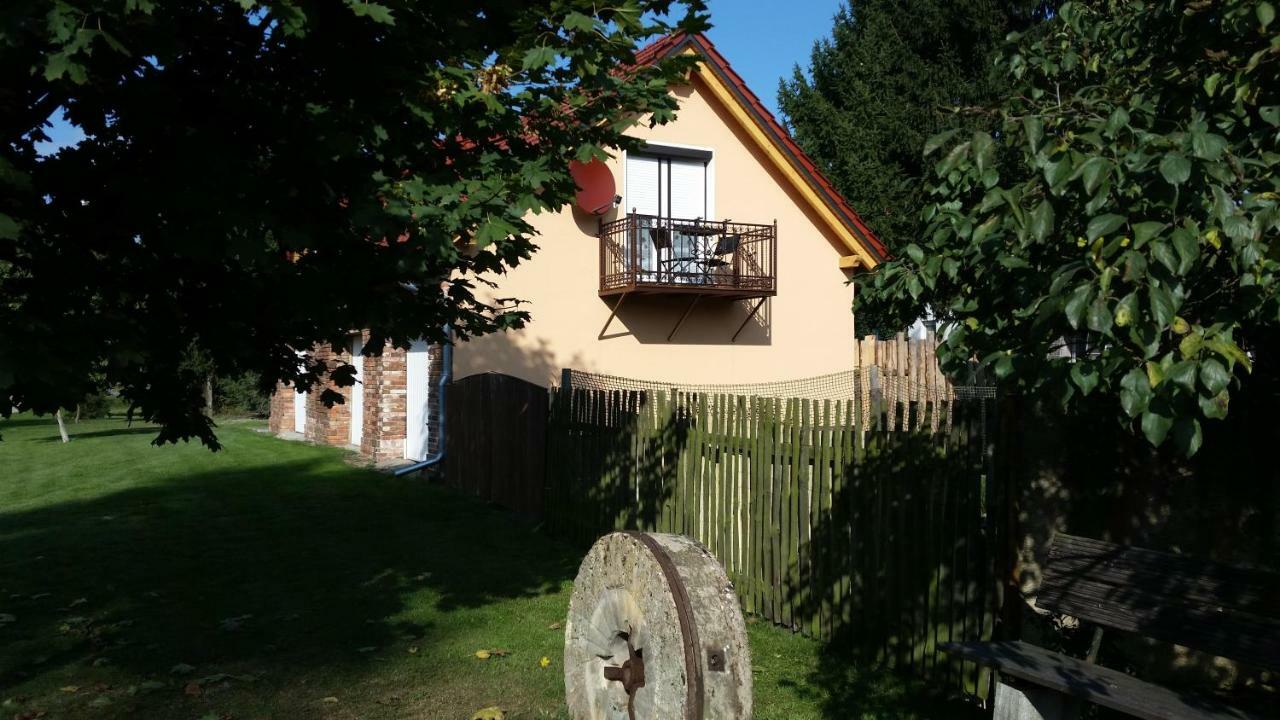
445, 376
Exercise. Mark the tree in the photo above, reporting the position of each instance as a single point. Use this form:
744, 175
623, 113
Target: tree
882, 84
260, 176
1115, 241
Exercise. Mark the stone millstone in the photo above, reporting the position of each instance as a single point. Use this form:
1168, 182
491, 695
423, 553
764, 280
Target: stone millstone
655, 632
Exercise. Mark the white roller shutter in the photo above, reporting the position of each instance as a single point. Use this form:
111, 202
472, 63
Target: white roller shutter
688, 188
643, 185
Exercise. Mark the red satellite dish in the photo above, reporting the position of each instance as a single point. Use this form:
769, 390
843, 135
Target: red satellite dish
596, 189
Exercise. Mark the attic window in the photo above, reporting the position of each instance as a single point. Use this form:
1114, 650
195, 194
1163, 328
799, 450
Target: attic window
670, 181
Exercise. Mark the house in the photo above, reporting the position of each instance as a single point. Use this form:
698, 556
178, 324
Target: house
719, 255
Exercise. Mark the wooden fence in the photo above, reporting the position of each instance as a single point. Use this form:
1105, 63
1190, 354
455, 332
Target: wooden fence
879, 532
914, 360
874, 539
497, 439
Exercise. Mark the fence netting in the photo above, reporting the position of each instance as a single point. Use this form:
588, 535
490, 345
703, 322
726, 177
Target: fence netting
905, 402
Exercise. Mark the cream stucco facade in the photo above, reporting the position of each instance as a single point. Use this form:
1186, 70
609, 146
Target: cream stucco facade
806, 329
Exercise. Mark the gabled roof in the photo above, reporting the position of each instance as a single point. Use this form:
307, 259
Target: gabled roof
865, 248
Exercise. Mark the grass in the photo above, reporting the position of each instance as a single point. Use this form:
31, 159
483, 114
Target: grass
277, 580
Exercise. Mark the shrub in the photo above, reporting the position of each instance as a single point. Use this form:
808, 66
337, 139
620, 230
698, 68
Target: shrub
240, 395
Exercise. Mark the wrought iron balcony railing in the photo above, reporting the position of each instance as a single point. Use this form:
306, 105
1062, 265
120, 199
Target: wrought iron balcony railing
652, 254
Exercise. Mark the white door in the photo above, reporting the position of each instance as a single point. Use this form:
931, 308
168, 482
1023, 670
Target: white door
357, 393
300, 412
417, 401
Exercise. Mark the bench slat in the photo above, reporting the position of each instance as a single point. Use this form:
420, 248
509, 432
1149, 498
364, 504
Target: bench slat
1093, 683
1232, 612
1193, 579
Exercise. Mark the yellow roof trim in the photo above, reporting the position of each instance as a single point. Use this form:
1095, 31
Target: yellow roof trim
860, 257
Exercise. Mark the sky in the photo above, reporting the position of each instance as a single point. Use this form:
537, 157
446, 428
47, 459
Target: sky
762, 39
765, 39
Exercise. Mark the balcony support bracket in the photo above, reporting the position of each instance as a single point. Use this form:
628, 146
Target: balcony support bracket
612, 314
747, 319
680, 322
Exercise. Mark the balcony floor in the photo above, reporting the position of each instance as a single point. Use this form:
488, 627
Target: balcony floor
727, 292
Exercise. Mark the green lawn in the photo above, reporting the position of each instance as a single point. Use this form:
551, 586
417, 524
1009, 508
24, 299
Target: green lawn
276, 580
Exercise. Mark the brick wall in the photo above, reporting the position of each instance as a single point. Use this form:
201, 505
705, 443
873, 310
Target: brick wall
280, 419
329, 425
385, 410
384, 406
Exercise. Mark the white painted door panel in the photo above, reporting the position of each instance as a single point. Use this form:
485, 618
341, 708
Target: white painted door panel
300, 412
357, 393
417, 400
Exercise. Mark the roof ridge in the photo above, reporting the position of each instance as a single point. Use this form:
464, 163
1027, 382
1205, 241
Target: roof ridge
675, 42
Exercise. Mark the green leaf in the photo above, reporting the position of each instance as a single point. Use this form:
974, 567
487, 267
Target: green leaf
1162, 253
1004, 366
1187, 436
1135, 392
1085, 376
1208, 146
1214, 376
1215, 408
1162, 307
916, 253
1104, 225
983, 150
1127, 310
1118, 119
1270, 114
373, 11
1034, 128
538, 57
1156, 427
59, 64
932, 144
1077, 304
580, 22
494, 229
1056, 173
1211, 84
1229, 350
1100, 316
9, 228
1266, 13
1042, 221
1190, 345
1155, 374
1188, 247
1093, 171
1144, 231
1175, 168
1183, 374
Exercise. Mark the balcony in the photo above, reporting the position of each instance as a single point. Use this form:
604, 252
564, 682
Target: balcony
648, 254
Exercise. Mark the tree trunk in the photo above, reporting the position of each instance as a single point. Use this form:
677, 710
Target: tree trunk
77, 418
62, 427
208, 395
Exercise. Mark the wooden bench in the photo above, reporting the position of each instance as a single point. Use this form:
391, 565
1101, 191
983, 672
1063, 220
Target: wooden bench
1226, 611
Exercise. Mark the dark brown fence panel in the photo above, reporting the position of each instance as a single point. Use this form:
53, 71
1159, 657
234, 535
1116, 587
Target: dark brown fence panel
497, 442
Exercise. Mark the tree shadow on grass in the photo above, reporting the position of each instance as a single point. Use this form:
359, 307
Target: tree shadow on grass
281, 567
71, 433
845, 688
